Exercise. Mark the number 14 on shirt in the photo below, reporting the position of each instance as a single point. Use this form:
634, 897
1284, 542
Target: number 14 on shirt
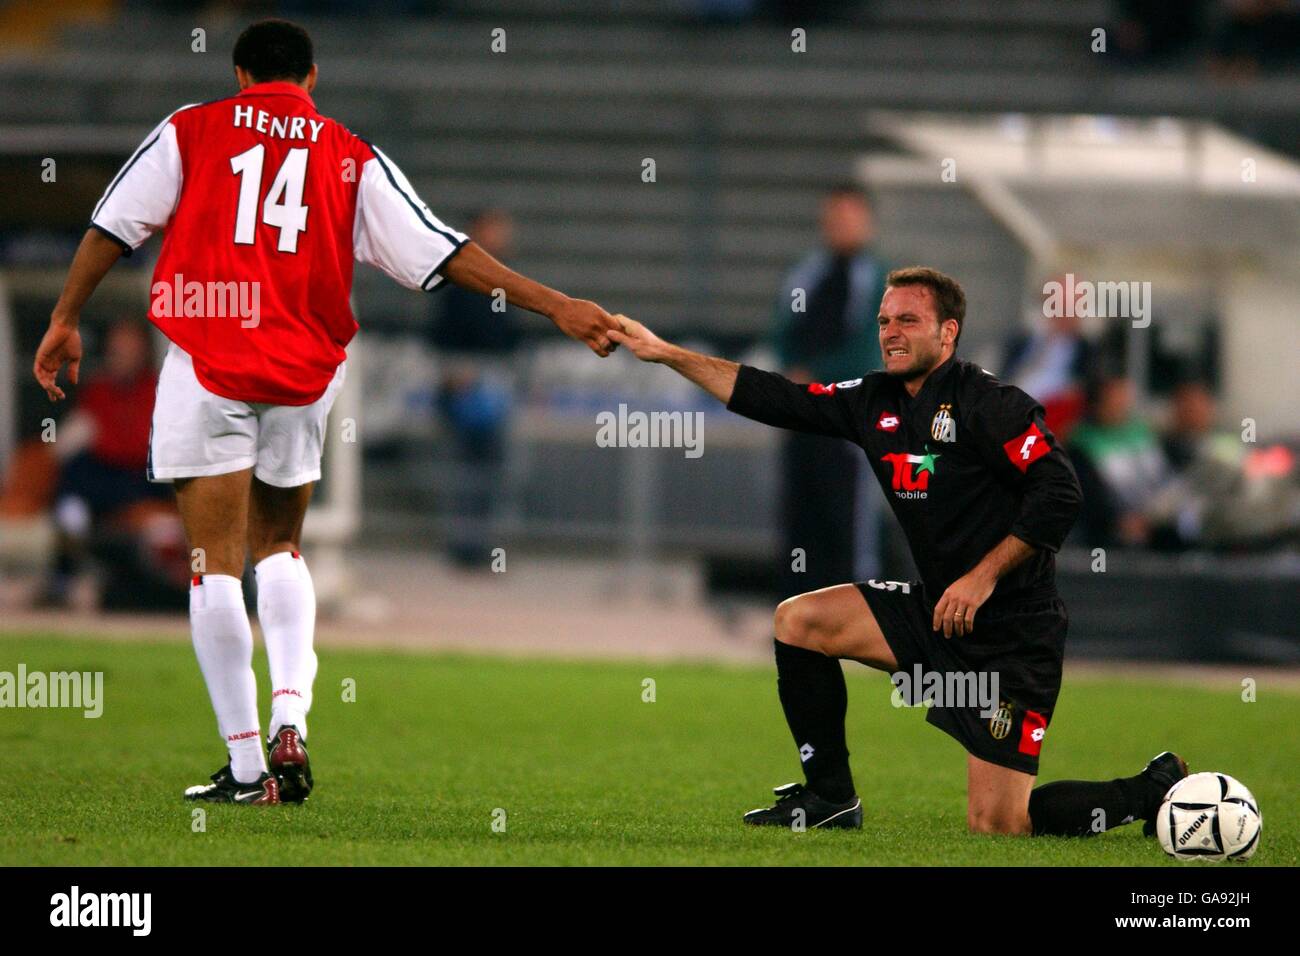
283, 207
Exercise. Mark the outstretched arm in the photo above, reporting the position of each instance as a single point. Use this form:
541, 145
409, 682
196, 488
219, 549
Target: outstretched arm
716, 376
396, 232
62, 342
836, 410
475, 269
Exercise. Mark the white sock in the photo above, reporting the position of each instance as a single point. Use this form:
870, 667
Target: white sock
286, 609
223, 641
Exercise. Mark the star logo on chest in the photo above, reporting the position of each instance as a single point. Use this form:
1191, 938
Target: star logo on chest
926, 462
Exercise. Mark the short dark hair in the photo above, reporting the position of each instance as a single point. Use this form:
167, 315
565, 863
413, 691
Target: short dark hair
274, 50
949, 299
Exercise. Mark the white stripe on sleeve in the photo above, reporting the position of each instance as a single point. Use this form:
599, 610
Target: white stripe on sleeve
143, 195
396, 232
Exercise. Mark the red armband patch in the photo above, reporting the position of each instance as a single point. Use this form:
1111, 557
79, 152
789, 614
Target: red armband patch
1026, 449
816, 389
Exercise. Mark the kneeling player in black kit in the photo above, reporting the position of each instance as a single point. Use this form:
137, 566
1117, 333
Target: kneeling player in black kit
985, 496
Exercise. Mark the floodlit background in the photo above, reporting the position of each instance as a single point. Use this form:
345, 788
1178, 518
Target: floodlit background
695, 165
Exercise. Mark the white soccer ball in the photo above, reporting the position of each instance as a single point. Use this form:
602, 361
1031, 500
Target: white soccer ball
1209, 816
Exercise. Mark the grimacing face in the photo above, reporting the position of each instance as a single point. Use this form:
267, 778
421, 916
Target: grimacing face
912, 339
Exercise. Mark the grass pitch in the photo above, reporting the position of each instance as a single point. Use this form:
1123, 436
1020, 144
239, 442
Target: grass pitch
580, 768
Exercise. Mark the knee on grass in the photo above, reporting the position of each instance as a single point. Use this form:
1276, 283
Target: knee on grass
998, 821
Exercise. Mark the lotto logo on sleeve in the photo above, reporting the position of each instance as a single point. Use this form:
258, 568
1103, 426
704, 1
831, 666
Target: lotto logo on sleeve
1032, 731
1026, 449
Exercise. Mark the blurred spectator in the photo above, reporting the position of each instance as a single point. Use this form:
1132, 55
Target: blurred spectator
476, 336
1121, 465
1228, 493
1241, 36
1249, 34
102, 447
1201, 470
1196, 486
832, 338
1156, 29
1051, 363
1192, 414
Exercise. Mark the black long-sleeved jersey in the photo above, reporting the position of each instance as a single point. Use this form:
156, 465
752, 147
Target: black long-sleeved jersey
966, 462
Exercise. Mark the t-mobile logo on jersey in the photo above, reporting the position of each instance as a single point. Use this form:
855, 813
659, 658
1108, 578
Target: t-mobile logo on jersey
912, 473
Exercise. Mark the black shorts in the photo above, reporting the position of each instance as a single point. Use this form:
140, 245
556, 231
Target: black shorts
1010, 662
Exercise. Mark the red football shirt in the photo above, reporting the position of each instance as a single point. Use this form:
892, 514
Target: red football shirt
265, 203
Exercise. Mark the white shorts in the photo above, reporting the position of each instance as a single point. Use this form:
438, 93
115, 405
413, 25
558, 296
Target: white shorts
196, 433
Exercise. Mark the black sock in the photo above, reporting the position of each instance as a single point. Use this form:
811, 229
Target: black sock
815, 700
1070, 807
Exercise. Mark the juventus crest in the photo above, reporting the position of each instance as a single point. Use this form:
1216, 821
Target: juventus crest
944, 426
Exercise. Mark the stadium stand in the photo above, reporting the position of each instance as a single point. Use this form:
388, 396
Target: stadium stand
745, 134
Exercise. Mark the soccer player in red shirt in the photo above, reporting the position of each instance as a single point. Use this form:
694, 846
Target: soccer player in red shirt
264, 204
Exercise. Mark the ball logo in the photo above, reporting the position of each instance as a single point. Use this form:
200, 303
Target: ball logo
1000, 723
1191, 830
